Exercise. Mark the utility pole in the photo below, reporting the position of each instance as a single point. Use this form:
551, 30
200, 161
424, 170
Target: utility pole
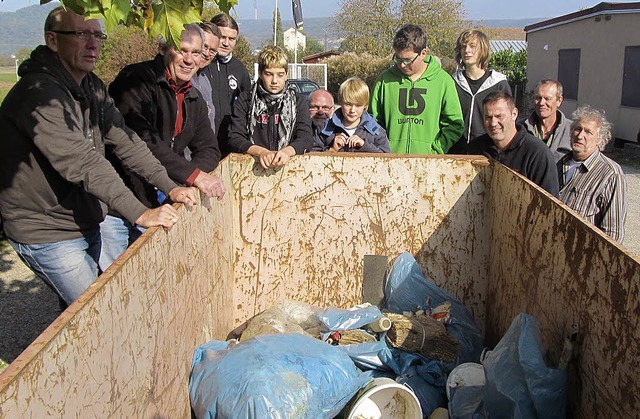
255, 9
15, 57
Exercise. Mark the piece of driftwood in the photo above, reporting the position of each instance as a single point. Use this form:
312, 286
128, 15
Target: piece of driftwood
424, 335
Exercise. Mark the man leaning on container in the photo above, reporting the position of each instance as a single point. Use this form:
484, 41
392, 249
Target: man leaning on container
512, 145
159, 103
591, 183
54, 178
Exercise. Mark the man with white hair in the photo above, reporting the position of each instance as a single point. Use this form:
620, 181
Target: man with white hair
591, 183
159, 103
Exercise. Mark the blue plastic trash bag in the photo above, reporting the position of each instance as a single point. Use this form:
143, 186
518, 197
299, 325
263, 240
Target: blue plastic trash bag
272, 376
407, 288
369, 355
338, 319
466, 403
519, 384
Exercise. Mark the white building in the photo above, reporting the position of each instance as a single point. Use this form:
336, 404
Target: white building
290, 39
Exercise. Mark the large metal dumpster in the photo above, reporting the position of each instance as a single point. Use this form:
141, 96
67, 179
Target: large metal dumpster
482, 232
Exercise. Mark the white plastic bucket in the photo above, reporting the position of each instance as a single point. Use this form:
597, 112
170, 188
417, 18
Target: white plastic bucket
385, 399
467, 374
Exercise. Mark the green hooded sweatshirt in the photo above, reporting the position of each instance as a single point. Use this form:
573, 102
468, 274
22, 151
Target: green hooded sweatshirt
422, 116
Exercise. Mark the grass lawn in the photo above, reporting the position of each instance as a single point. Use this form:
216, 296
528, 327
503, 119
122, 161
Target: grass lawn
7, 80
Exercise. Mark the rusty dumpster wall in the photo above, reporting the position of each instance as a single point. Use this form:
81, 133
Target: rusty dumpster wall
305, 229
546, 262
124, 348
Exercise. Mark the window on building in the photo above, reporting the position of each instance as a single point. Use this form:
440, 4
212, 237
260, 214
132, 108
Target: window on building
631, 77
569, 72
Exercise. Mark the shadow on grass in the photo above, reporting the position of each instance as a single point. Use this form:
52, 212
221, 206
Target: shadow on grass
27, 305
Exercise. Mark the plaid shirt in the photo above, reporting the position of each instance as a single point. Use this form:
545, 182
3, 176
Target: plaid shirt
597, 191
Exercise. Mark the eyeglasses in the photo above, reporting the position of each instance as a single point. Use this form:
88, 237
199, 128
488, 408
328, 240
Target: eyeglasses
405, 61
86, 35
195, 53
317, 108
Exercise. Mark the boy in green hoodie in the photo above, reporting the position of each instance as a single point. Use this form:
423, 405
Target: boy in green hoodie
416, 100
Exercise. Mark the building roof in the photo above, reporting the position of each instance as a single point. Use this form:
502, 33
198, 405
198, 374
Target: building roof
604, 8
500, 45
321, 55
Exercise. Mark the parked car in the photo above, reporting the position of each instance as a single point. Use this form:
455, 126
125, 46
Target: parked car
303, 86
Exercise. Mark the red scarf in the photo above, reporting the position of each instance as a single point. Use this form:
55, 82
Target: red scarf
180, 92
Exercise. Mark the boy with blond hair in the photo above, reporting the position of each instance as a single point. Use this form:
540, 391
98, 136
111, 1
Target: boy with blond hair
352, 128
271, 122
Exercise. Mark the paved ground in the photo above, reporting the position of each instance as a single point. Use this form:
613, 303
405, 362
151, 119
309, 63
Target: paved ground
27, 306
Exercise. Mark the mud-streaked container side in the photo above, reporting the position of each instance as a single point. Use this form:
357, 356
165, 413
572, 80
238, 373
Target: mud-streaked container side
547, 262
305, 229
124, 348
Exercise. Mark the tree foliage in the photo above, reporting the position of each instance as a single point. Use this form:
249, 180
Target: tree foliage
365, 66
511, 64
243, 52
370, 25
125, 45
156, 17
277, 25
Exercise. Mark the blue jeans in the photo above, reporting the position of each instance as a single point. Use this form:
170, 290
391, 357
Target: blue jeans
117, 234
67, 266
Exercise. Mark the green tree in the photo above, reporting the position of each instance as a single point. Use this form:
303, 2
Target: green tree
244, 54
511, 64
124, 46
370, 25
209, 10
365, 66
514, 66
156, 17
23, 53
277, 25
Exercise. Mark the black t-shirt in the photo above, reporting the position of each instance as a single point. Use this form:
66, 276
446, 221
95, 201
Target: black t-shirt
474, 85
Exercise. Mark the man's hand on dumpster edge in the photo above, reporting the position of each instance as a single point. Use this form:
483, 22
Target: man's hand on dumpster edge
164, 216
186, 195
210, 185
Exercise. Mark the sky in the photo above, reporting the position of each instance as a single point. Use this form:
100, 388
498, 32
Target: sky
476, 9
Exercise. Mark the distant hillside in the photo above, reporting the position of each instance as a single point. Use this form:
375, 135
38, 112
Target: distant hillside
23, 28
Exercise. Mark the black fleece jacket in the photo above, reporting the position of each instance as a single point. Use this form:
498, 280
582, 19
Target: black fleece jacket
148, 103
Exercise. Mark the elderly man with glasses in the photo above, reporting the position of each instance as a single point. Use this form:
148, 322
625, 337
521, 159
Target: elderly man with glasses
416, 100
158, 102
55, 180
321, 107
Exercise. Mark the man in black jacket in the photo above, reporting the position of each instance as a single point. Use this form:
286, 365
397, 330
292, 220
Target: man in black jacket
513, 146
228, 76
158, 102
54, 179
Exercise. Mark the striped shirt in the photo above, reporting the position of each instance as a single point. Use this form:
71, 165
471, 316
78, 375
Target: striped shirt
597, 190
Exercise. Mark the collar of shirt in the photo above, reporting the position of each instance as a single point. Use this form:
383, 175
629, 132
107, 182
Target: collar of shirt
183, 89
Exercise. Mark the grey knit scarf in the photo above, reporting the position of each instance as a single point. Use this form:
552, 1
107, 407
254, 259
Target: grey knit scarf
285, 102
